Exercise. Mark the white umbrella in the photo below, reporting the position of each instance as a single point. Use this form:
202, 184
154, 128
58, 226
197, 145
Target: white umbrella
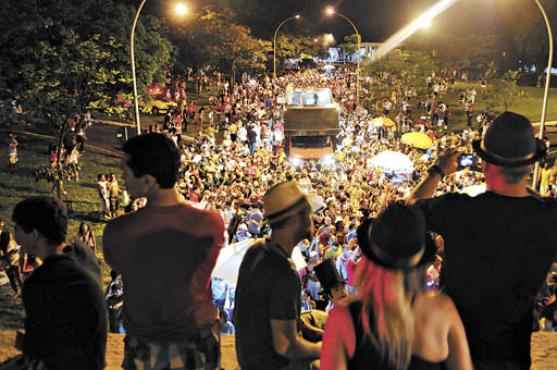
230, 258
474, 190
390, 161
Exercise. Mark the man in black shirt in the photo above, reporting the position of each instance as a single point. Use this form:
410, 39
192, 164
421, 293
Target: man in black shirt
268, 294
65, 313
498, 245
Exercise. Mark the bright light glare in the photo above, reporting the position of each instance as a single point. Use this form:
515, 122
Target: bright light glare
182, 9
330, 11
296, 161
425, 23
297, 16
401, 36
328, 161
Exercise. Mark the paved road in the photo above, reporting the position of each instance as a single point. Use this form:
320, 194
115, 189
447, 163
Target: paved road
104, 131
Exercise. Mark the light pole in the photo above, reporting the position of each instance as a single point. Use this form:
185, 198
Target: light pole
132, 57
296, 17
181, 9
547, 85
330, 11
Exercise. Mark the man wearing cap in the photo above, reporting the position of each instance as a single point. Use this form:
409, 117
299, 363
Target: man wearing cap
268, 294
498, 245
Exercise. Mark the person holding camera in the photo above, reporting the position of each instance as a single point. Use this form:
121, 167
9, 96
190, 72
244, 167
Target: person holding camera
499, 245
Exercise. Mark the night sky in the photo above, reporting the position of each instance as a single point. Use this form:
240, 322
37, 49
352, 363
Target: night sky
376, 19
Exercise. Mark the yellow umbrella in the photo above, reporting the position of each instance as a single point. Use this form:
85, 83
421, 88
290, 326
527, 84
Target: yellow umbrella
387, 122
382, 121
417, 140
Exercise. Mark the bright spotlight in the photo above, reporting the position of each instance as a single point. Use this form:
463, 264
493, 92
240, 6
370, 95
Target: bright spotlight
330, 11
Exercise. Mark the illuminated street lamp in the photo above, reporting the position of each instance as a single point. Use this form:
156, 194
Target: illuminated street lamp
181, 10
331, 11
294, 17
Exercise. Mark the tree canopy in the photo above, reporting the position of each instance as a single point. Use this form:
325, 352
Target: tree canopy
56, 65
214, 38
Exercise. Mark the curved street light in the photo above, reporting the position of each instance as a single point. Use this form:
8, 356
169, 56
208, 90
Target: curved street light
296, 17
331, 11
547, 85
181, 9
132, 57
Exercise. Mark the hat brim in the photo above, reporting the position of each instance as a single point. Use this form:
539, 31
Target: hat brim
428, 256
314, 201
504, 162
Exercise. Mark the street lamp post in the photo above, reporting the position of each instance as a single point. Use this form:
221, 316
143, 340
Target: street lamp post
547, 85
132, 57
297, 16
330, 11
181, 9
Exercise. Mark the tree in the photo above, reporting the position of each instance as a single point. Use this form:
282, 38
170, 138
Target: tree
523, 34
60, 56
57, 65
214, 39
350, 44
295, 46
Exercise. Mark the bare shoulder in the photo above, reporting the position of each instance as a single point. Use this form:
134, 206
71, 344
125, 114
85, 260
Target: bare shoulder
435, 301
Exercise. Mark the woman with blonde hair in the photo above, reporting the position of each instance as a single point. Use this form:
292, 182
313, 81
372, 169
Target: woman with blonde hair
388, 326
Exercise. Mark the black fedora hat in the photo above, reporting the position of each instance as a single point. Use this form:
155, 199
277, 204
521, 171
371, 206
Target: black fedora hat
328, 275
396, 237
509, 142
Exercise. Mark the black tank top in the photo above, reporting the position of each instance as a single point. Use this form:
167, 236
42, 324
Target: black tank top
367, 355
418, 363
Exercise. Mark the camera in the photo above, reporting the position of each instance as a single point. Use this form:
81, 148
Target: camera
467, 161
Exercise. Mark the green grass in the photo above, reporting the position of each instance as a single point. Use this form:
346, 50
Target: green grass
82, 197
528, 104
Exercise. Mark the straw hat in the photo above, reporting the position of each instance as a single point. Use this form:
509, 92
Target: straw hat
285, 199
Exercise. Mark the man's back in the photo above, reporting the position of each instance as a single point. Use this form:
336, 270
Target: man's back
66, 321
268, 288
166, 255
497, 252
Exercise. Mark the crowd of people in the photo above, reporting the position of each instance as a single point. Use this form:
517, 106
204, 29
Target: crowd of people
376, 244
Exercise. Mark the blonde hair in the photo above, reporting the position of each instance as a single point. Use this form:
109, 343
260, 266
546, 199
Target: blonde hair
382, 292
